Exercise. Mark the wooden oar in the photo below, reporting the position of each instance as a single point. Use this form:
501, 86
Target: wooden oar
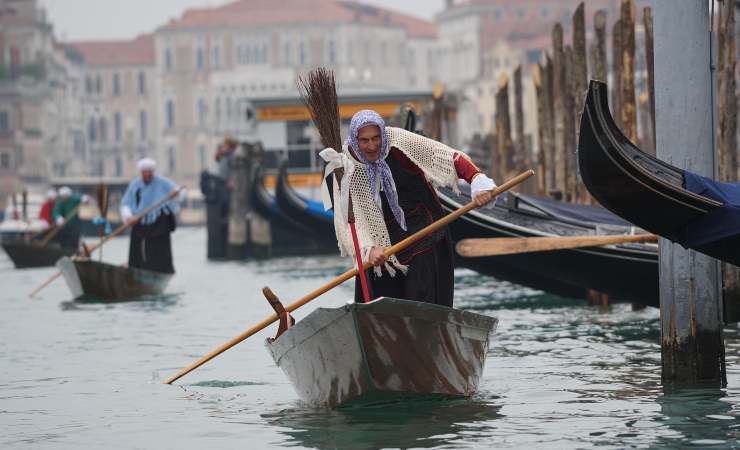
54, 231
347, 275
115, 233
472, 248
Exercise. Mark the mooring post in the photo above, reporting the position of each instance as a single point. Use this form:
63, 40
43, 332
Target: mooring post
238, 179
691, 313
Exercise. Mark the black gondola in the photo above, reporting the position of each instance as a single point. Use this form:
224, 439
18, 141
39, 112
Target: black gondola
288, 236
309, 213
694, 211
571, 273
29, 254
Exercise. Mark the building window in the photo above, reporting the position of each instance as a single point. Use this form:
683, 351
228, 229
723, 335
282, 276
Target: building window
142, 83
202, 156
142, 125
170, 114
102, 129
118, 167
302, 53
168, 59
202, 112
332, 51
217, 108
171, 160
288, 53
98, 84
4, 122
116, 84
89, 88
117, 126
92, 131
4, 161
199, 59
216, 57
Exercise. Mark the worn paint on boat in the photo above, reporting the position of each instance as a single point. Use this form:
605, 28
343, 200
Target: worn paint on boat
388, 348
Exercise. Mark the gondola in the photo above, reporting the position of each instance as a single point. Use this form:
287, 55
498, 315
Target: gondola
288, 236
309, 213
570, 273
98, 281
695, 211
364, 353
26, 254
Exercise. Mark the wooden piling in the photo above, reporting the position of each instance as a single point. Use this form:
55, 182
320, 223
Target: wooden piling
540, 92
580, 62
599, 68
647, 17
692, 345
558, 96
549, 87
569, 121
236, 244
616, 81
727, 135
627, 72
503, 128
522, 159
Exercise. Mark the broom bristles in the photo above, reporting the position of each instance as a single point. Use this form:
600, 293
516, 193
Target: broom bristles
319, 94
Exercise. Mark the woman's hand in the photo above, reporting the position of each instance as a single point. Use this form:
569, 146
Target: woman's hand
483, 198
377, 257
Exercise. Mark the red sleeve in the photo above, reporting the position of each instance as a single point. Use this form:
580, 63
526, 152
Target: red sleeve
465, 167
45, 213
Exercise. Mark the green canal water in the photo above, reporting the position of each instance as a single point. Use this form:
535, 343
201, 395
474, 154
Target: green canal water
559, 375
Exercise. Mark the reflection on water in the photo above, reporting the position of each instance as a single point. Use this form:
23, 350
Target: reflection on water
560, 374
411, 424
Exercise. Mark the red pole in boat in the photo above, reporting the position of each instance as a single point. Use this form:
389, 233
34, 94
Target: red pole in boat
358, 256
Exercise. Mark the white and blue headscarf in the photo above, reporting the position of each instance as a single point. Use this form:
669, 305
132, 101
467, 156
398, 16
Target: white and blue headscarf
140, 196
378, 171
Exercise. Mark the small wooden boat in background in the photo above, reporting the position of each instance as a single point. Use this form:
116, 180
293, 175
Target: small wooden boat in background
694, 211
88, 279
384, 350
26, 254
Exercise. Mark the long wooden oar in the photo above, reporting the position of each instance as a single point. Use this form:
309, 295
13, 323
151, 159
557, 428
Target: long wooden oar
54, 231
347, 275
473, 248
115, 233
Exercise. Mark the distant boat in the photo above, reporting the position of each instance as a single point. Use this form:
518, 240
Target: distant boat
569, 273
288, 236
26, 254
309, 213
695, 211
93, 280
382, 351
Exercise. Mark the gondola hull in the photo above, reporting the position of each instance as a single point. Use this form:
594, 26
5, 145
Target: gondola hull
93, 280
382, 350
641, 188
288, 236
28, 255
625, 272
308, 214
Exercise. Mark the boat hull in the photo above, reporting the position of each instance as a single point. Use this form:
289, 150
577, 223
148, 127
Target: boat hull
385, 349
93, 280
27, 255
569, 273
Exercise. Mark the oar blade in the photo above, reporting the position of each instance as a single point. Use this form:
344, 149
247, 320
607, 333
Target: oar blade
482, 247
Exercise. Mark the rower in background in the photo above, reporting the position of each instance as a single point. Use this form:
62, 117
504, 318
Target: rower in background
47, 209
150, 247
64, 208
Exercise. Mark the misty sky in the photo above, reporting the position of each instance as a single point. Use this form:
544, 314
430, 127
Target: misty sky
122, 19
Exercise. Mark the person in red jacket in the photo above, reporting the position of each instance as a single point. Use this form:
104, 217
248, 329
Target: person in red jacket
48, 207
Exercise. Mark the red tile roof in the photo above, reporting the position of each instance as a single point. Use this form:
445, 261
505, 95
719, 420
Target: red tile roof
135, 52
271, 12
